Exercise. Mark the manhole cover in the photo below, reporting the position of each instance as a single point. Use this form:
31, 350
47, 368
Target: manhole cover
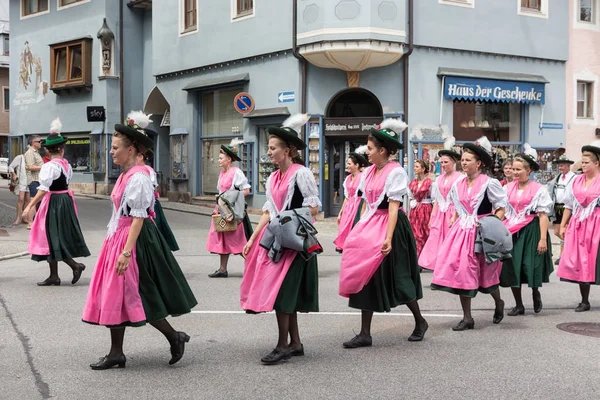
3, 232
581, 328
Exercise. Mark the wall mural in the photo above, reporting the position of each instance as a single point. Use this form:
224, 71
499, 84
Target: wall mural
30, 89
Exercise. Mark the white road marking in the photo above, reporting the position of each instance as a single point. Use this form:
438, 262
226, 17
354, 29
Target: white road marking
341, 313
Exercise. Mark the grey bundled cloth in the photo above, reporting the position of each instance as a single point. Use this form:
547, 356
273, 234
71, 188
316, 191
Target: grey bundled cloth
493, 240
292, 230
232, 205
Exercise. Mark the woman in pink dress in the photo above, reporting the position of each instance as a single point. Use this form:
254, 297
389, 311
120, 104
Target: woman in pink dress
230, 178
443, 208
527, 220
461, 271
419, 193
136, 279
353, 202
290, 285
379, 269
580, 227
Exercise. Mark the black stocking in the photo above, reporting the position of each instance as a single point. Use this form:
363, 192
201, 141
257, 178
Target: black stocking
117, 335
294, 331
166, 329
365, 323
283, 324
53, 269
585, 293
516, 291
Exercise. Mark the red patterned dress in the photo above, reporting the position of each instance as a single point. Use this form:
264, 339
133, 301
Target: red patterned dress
420, 210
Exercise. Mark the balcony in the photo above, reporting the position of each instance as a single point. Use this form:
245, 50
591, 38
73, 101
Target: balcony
352, 35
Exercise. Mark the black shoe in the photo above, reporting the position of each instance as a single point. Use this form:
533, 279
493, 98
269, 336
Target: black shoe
178, 347
276, 356
50, 282
358, 341
419, 332
557, 261
583, 307
218, 274
499, 315
77, 273
107, 362
464, 325
516, 311
297, 352
537, 302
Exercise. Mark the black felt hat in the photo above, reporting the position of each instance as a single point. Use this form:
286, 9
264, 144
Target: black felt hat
448, 149
389, 132
483, 148
593, 147
54, 138
232, 149
529, 155
360, 154
289, 130
135, 128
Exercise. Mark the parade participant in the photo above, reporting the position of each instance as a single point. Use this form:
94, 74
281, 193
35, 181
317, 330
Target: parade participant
352, 207
419, 193
557, 189
136, 279
461, 271
527, 220
507, 170
230, 178
56, 235
290, 285
379, 269
443, 208
580, 227
159, 219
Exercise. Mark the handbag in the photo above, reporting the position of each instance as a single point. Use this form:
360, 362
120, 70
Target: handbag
222, 225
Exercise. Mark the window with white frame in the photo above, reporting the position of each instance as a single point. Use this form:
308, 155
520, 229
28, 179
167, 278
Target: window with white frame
586, 11
243, 8
31, 7
6, 99
6, 45
533, 8
531, 5
69, 3
585, 99
189, 16
459, 3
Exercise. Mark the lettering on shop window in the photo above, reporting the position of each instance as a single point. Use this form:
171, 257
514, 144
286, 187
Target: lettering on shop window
349, 127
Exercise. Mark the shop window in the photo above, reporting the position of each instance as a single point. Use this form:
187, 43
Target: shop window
585, 99
77, 152
70, 65
533, 8
246, 153
265, 166
6, 45
32, 7
531, 5
179, 154
499, 122
6, 98
15, 146
97, 151
242, 8
586, 10
459, 3
189, 16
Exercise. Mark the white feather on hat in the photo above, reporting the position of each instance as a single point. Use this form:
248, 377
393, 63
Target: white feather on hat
393, 124
449, 143
138, 118
530, 151
296, 122
235, 142
361, 149
595, 143
56, 126
484, 142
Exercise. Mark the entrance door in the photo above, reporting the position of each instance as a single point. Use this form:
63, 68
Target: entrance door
338, 150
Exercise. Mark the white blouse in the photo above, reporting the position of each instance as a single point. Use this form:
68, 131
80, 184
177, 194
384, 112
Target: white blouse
307, 185
239, 181
50, 172
572, 204
495, 193
541, 203
137, 199
395, 188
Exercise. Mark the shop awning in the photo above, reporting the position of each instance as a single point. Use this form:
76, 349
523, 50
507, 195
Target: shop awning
466, 84
268, 112
212, 83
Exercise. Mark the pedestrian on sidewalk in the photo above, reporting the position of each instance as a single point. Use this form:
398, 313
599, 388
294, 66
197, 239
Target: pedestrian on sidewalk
290, 285
443, 208
507, 171
19, 180
580, 227
462, 271
136, 279
379, 269
527, 220
558, 190
33, 165
231, 178
56, 235
419, 194
160, 220
352, 206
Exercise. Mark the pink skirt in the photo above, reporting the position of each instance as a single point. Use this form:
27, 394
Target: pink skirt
114, 299
440, 225
226, 242
347, 220
580, 253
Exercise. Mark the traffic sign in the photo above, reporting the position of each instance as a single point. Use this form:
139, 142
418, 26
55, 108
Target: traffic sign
286, 97
243, 103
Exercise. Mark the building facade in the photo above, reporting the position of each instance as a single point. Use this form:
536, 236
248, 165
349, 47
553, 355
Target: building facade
4, 78
213, 71
583, 71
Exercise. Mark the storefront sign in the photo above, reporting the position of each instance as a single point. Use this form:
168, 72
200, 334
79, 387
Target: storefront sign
457, 88
350, 126
96, 114
551, 125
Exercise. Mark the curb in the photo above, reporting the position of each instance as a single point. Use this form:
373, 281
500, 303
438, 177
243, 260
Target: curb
15, 255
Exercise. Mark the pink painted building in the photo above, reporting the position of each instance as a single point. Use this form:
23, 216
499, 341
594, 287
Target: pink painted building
583, 73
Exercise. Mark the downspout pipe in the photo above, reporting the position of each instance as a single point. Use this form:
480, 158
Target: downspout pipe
406, 56
297, 54
121, 84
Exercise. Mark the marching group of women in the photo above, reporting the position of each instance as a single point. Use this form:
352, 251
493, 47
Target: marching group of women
137, 280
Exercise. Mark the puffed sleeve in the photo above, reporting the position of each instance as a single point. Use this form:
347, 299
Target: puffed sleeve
308, 187
396, 184
240, 181
48, 174
569, 196
496, 194
139, 195
269, 205
544, 202
435, 191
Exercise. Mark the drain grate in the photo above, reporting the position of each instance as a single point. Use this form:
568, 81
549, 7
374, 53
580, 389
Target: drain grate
581, 328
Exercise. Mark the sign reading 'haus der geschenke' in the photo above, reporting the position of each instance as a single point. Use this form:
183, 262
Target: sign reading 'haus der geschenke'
458, 88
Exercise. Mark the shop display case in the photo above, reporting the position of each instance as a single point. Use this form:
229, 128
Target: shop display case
246, 152
314, 141
179, 154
